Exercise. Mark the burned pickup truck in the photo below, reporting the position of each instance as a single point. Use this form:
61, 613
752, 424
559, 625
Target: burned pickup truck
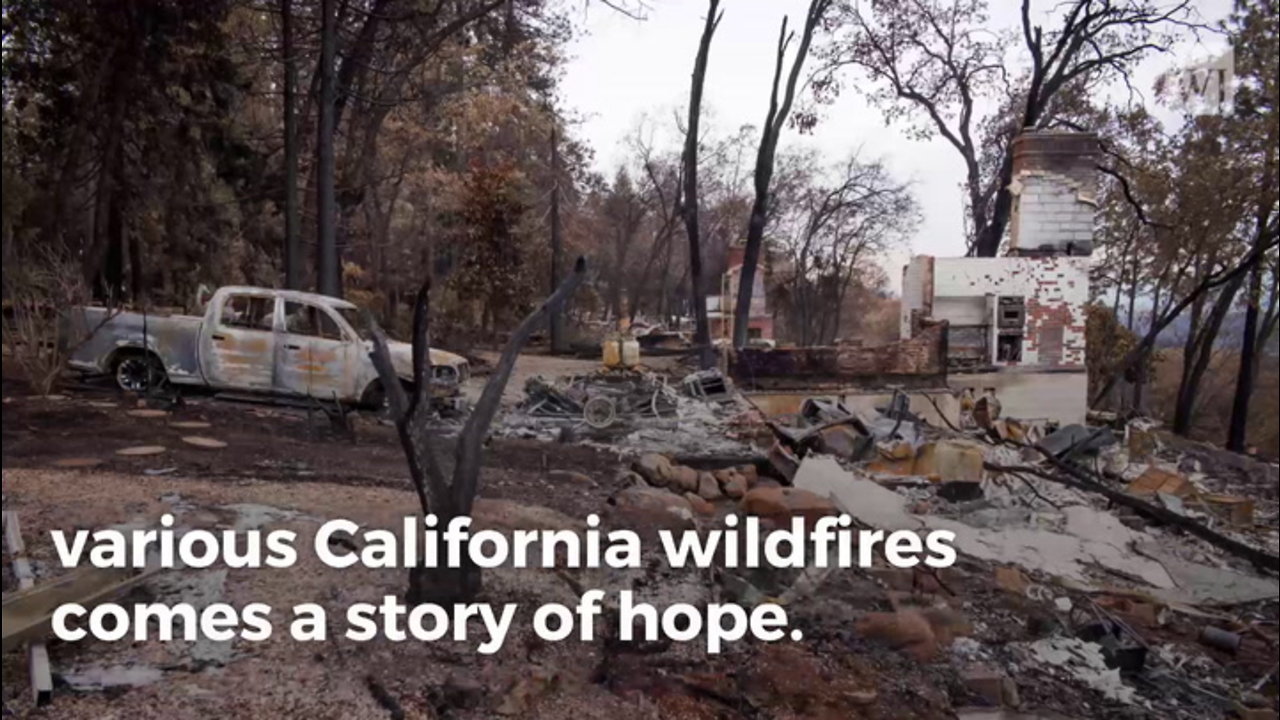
255, 340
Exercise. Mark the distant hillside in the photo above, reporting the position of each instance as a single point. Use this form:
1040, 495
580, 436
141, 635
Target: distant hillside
1232, 329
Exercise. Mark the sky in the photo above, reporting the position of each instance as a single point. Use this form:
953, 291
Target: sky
623, 70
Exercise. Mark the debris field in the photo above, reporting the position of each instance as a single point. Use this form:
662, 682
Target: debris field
1108, 570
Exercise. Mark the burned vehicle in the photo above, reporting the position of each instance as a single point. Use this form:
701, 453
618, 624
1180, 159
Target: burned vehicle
255, 340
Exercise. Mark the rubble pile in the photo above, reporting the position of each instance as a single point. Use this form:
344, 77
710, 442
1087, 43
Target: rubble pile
1135, 577
1103, 571
601, 399
638, 412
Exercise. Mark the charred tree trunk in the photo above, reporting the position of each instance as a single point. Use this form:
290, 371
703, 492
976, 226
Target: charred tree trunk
113, 268
449, 498
328, 280
103, 260
559, 342
1190, 388
702, 331
1138, 353
292, 246
1237, 432
1139, 374
1249, 351
1190, 357
773, 124
987, 242
137, 274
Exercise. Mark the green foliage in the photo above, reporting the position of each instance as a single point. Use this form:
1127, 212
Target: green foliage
145, 138
122, 119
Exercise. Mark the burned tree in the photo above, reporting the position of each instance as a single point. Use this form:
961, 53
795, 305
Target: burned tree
559, 342
292, 242
698, 295
1094, 38
1255, 30
779, 110
447, 498
935, 57
830, 223
328, 275
1271, 239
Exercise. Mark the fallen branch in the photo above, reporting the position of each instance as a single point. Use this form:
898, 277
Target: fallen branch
1259, 558
1075, 477
941, 414
37, 653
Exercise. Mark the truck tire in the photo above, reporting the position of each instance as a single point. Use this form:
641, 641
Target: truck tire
374, 398
138, 371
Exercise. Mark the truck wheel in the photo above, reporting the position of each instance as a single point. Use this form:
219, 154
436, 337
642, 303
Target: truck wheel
375, 398
140, 372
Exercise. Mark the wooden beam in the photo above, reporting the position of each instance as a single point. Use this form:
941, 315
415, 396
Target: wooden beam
37, 653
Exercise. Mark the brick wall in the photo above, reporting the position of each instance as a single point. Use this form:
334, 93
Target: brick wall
916, 362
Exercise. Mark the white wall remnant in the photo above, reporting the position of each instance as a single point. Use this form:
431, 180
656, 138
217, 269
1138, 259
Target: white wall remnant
1016, 323
1051, 290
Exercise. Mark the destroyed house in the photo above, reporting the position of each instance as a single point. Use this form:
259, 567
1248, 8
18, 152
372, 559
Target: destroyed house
1012, 326
1016, 323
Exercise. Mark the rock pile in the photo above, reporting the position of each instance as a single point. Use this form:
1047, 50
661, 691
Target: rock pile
654, 475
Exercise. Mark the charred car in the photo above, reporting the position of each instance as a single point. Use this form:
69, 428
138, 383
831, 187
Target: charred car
254, 340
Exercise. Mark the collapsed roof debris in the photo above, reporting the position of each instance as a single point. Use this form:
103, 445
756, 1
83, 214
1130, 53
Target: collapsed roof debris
1128, 563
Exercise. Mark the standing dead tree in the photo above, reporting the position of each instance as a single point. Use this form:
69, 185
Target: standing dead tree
934, 56
779, 111
452, 497
1256, 31
826, 231
689, 209
328, 274
559, 343
1093, 38
666, 209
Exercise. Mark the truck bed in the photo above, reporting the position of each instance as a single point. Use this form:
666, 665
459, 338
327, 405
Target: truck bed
174, 338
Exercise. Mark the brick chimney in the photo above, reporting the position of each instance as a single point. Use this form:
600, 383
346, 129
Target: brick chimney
1055, 191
